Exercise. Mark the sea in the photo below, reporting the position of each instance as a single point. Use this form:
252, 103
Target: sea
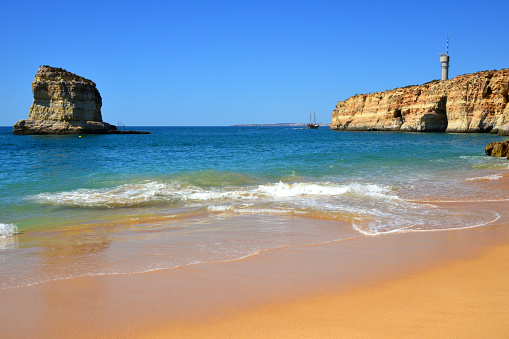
86, 205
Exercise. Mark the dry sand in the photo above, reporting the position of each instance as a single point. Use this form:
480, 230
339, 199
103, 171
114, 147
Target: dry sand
465, 299
446, 283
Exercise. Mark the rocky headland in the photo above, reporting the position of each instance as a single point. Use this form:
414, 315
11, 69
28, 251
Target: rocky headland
470, 103
65, 103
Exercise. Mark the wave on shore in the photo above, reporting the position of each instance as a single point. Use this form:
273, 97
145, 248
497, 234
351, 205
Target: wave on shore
372, 209
8, 230
153, 192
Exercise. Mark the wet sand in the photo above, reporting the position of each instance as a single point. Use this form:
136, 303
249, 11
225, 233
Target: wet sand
445, 283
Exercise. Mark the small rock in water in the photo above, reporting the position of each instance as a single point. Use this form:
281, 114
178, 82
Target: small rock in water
498, 149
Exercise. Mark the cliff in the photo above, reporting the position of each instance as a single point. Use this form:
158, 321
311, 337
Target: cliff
474, 102
64, 103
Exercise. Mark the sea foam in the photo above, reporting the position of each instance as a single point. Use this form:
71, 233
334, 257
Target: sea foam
130, 195
8, 230
488, 177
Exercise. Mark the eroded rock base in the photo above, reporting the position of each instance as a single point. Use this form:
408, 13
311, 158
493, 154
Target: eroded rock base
42, 127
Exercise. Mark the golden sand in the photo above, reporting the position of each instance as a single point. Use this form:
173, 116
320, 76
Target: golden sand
465, 299
436, 284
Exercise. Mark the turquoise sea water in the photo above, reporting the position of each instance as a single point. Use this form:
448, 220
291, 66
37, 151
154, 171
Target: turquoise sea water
115, 204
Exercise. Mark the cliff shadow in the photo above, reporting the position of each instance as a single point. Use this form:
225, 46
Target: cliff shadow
439, 122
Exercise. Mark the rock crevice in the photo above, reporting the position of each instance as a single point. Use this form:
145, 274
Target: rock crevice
476, 102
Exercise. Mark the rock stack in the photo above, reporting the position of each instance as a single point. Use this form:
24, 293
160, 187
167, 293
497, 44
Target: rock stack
476, 102
65, 103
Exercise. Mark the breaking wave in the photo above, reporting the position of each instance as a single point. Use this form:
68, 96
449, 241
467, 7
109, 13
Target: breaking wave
131, 195
371, 209
8, 230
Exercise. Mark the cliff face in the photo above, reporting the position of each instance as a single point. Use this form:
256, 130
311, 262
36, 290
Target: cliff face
474, 102
64, 103
63, 96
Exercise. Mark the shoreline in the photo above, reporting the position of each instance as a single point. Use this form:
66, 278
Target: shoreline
187, 300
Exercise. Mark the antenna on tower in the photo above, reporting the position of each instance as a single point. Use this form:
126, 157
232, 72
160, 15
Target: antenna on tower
444, 59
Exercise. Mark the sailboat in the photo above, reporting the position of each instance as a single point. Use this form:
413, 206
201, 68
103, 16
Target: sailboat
312, 125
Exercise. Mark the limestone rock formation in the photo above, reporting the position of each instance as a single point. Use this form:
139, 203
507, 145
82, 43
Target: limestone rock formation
476, 102
498, 149
65, 103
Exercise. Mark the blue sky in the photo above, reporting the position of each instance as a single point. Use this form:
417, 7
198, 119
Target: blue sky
191, 63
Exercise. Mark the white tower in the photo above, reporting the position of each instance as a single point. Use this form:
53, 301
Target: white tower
444, 59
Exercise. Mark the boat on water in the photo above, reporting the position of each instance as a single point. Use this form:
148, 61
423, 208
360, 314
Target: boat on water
312, 125
120, 124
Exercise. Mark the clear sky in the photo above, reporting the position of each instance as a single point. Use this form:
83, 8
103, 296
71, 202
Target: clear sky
215, 63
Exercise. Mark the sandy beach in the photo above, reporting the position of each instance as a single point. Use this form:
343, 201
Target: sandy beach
246, 169
444, 283
465, 299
